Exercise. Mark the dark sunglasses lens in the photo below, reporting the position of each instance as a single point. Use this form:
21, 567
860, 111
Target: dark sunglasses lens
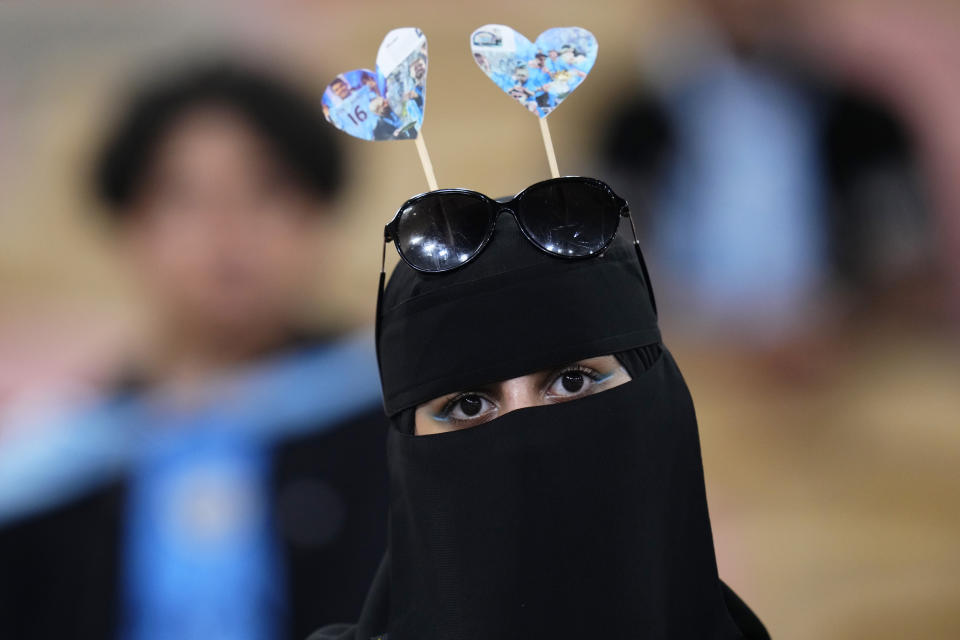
443, 230
572, 219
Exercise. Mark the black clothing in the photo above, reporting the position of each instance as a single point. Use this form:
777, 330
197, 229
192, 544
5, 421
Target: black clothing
586, 519
61, 570
375, 614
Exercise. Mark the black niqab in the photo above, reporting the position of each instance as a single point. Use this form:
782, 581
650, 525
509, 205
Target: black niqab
586, 519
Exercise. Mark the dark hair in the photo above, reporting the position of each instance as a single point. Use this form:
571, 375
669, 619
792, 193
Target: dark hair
288, 119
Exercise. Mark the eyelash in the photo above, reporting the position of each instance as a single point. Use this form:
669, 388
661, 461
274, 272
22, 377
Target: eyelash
444, 413
593, 374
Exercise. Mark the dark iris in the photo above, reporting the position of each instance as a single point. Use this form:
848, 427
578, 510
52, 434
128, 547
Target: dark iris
572, 381
470, 405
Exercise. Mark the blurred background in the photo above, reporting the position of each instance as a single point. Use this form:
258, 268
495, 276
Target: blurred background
793, 168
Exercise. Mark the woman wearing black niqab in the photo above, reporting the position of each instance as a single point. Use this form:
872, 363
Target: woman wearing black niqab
583, 519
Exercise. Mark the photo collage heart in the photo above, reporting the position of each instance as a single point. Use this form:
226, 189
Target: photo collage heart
388, 102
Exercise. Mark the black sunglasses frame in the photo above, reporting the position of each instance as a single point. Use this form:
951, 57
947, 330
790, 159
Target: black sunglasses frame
390, 230
512, 207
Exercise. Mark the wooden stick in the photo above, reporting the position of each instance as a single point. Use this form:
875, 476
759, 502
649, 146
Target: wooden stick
548, 145
425, 161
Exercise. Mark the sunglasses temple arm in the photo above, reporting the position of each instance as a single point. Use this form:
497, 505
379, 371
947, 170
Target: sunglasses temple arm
377, 322
383, 253
643, 264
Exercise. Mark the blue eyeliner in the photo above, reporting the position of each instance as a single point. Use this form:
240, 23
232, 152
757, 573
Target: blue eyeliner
602, 379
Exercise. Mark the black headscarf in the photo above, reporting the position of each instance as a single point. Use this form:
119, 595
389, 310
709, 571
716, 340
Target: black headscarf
586, 519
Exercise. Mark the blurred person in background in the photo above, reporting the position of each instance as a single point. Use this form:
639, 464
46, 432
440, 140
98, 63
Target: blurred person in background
775, 181
902, 57
232, 481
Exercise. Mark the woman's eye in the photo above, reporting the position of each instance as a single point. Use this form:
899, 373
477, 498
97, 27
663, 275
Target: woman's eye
468, 407
572, 382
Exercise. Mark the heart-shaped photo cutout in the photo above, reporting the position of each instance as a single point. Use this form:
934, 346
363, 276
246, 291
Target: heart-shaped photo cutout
539, 75
385, 104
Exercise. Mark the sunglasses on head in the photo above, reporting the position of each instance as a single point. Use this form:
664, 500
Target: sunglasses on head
570, 217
